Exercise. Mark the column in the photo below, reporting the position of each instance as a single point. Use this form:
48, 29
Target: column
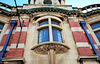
51, 55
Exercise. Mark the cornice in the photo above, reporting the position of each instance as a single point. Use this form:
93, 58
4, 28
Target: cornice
42, 9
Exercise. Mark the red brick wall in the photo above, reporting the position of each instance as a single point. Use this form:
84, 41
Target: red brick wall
80, 37
15, 52
22, 37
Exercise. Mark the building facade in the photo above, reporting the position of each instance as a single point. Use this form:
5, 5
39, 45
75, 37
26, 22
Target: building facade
49, 32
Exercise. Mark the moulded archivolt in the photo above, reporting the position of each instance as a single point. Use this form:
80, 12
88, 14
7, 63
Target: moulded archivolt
93, 20
48, 16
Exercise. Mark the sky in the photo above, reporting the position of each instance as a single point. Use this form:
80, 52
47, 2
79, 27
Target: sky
74, 3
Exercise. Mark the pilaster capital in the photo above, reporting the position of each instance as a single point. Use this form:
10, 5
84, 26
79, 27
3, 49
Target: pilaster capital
82, 23
13, 22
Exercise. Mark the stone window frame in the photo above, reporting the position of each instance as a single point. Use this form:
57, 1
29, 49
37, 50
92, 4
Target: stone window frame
49, 25
93, 31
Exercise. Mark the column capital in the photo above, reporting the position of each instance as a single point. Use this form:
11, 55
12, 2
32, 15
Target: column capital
82, 23
13, 22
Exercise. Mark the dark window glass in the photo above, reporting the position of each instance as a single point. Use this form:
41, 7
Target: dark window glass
56, 35
1, 26
43, 35
54, 22
47, 2
98, 35
95, 25
44, 22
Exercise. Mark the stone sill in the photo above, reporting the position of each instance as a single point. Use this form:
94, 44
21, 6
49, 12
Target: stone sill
13, 59
91, 57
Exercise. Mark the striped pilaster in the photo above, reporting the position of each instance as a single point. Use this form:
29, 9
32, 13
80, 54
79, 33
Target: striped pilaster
83, 47
5, 37
11, 48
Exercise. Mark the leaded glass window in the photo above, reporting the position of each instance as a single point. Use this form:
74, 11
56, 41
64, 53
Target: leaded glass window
50, 32
56, 35
44, 35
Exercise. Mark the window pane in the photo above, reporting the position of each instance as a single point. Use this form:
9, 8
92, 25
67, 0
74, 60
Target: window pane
98, 35
95, 25
56, 35
43, 35
54, 22
44, 22
1, 26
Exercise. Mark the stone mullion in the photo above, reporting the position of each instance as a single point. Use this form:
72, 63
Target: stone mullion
50, 30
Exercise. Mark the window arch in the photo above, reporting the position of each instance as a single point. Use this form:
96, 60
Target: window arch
49, 30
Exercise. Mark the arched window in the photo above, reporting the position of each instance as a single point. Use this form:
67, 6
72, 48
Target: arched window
49, 31
49, 2
1, 26
96, 28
